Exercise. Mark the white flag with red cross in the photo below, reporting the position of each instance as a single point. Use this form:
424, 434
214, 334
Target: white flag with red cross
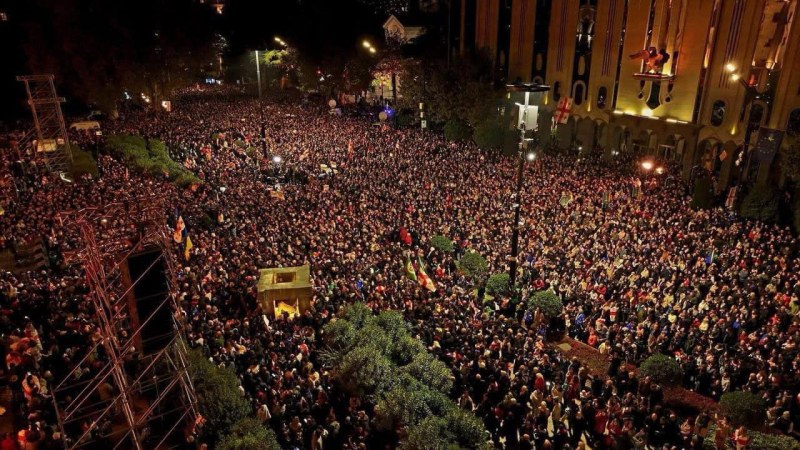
563, 110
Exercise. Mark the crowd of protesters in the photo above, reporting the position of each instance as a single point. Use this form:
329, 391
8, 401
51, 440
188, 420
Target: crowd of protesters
639, 273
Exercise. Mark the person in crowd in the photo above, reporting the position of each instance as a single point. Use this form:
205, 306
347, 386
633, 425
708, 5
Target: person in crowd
638, 270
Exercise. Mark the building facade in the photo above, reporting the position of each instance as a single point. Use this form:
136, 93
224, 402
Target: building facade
685, 80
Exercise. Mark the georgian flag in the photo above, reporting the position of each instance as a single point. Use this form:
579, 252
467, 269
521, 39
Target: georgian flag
563, 110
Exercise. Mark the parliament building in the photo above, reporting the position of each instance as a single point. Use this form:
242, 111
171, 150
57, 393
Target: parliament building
698, 82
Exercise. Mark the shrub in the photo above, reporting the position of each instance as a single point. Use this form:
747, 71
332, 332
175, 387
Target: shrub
703, 196
406, 119
249, 434
456, 430
489, 134
472, 265
760, 441
457, 130
761, 203
83, 163
548, 302
442, 244
662, 369
497, 285
744, 408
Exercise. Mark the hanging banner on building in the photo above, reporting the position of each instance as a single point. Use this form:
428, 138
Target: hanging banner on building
769, 141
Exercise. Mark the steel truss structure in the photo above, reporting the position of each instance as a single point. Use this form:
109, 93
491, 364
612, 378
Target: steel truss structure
128, 399
48, 139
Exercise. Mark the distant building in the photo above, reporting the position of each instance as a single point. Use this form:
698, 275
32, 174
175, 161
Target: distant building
393, 28
683, 80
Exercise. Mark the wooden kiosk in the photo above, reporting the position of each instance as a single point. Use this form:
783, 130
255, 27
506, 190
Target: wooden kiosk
285, 289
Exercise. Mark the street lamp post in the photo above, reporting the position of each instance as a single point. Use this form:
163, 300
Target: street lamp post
261, 107
751, 92
527, 116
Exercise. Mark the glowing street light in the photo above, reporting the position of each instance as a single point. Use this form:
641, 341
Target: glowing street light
277, 159
647, 165
735, 77
531, 156
366, 44
730, 67
659, 170
372, 50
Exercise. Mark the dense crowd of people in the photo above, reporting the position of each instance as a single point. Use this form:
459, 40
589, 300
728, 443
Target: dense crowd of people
638, 270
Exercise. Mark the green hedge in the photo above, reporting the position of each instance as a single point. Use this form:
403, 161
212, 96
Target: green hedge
150, 157
83, 163
758, 440
744, 408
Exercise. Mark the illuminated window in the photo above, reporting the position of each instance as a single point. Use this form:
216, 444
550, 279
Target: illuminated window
602, 93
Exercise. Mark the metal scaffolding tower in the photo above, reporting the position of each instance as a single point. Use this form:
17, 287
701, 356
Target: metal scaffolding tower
48, 139
128, 398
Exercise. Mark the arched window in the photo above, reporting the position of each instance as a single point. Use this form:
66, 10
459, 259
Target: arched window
717, 113
601, 97
577, 93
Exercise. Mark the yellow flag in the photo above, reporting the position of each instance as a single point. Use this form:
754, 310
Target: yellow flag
188, 247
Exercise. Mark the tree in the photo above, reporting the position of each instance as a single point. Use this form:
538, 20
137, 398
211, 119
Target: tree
431, 372
744, 408
219, 398
472, 265
442, 244
83, 163
761, 203
106, 48
547, 302
249, 434
497, 284
463, 91
456, 430
702, 196
662, 369
457, 130
376, 358
489, 134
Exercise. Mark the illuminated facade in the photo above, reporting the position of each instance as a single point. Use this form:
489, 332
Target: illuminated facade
678, 79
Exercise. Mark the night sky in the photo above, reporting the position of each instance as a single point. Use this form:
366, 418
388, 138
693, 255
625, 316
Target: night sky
320, 29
